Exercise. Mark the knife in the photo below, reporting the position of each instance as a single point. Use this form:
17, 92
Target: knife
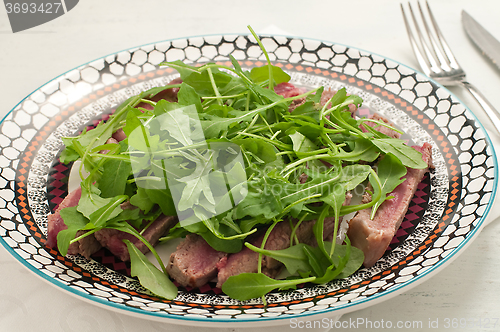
482, 38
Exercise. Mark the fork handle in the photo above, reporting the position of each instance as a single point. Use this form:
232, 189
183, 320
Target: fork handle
485, 104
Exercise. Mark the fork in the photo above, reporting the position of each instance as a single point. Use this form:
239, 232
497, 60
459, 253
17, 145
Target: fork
438, 62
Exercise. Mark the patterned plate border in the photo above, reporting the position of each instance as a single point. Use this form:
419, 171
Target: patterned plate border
462, 187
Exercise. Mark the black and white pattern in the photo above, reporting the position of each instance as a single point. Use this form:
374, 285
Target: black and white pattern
462, 185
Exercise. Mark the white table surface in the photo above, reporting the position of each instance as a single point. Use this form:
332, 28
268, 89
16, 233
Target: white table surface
466, 288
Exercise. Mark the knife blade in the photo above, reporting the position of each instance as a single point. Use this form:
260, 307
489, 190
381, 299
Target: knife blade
484, 40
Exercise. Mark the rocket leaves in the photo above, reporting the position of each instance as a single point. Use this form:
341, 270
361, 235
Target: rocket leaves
149, 276
229, 159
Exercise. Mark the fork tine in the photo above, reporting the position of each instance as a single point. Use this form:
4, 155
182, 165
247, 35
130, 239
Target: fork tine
430, 56
447, 50
437, 50
422, 61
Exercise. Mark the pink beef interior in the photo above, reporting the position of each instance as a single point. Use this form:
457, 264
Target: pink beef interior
194, 263
56, 222
374, 236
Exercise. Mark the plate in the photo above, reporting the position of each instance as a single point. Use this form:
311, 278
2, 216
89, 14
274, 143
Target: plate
446, 213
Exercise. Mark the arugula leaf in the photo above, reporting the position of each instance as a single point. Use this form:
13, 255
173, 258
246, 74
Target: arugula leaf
132, 121
142, 200
202, 84
356, 258
182, 68
390, 172
112, 209
229, 246
261, 75
177, 123
114, 177
75, 221
293, 257
91, 200
258, 147
246, 286
363, 150
406, 154
188, 96
163, 198
149, 276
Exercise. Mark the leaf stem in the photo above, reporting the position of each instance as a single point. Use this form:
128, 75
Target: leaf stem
268, 232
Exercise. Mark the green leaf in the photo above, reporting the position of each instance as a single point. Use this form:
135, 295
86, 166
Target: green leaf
75, 221
91, 200
294, 257
177, 123
143, 140
132, 121
339, 264
261, 148
390, 171
184, 69
406, 154
355, 261
132, 216
261, 74
163, 198
246, 286
142, 200
114, 177
149, 276
261, 199
229, 246
202, 84
187, 96
107, 212
363, 150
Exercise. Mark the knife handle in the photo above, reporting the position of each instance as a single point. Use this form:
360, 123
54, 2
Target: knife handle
485, 104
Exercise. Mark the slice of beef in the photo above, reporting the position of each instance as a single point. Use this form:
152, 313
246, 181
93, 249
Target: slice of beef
87, 245
119, 135
55, 221
246, 261
112, 238
374, 236
194, 262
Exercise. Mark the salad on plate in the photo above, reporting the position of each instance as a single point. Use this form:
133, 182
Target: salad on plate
269, 185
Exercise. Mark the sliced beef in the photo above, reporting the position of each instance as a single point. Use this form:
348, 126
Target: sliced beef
86, 246
110, 140
246, 261
112, 238
374, 236
119, 135
194, 263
